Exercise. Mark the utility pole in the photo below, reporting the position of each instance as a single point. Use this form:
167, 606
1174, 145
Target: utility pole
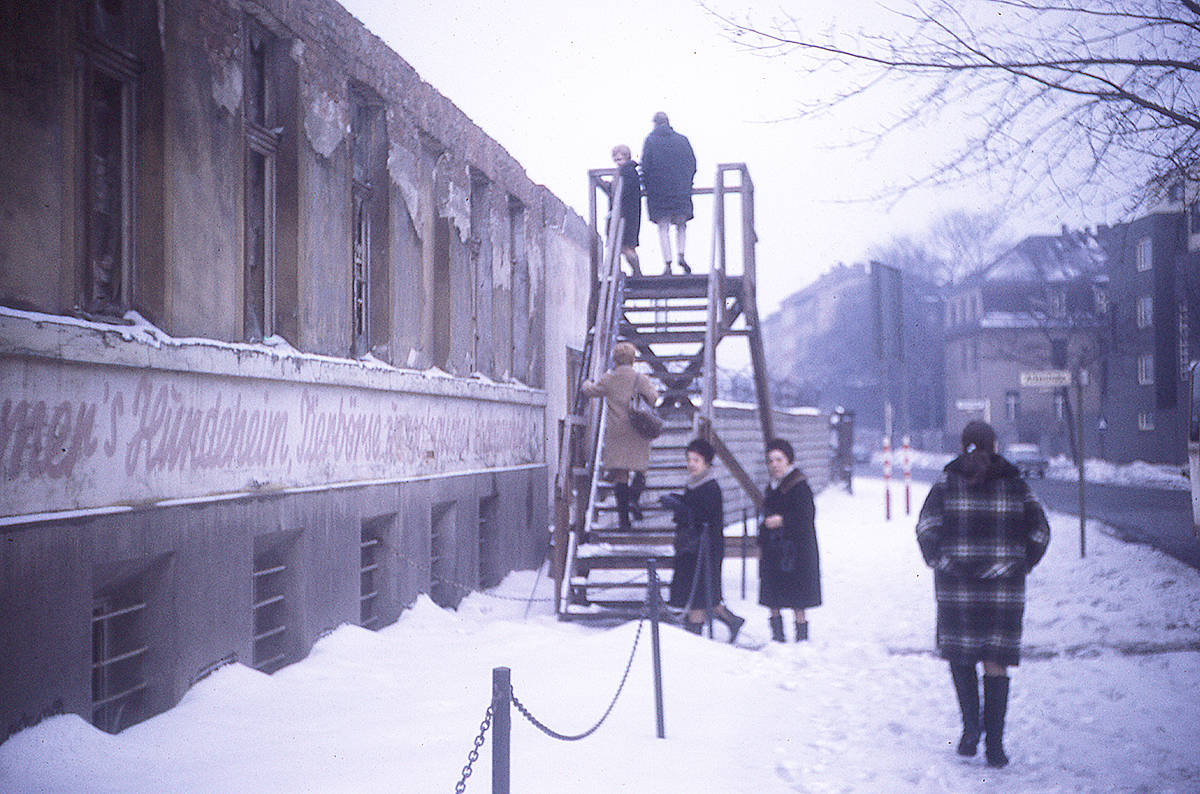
1078, 377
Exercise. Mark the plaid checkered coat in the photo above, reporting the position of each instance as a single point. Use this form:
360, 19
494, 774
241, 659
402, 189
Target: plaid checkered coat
981, 537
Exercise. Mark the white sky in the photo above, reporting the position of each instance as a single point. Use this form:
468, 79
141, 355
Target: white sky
559, 83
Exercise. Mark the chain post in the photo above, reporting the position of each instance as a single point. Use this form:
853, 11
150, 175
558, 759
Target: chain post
502, 722
707, 561
652, 596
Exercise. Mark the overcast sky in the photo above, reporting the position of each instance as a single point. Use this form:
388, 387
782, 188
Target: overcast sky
558, 83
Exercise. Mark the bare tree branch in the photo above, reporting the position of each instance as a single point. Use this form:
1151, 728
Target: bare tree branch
1039, 86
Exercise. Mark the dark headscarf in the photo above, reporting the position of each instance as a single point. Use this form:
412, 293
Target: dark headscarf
978, 446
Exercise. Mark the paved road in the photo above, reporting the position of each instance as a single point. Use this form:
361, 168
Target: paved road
1158, 517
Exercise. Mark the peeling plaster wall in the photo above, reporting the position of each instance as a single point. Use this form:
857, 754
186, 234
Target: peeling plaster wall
32, 137
323, 270
326, 118
565, 256
191, 191
202, 182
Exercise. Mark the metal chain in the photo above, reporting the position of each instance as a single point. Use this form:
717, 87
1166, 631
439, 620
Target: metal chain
466, 588
473, 755
576, 737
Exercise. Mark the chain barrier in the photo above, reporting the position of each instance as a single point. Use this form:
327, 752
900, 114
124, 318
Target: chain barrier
473, 755
425, 570
576, 737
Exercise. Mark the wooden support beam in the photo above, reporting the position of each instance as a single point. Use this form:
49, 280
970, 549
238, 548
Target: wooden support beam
735, 467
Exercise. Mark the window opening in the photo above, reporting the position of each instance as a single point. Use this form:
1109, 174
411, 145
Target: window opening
1058, 303
261, 147
441, 556
369, 548
443, 307
361, 197
1144, 254
271, 580
1145, 311
108, 77
1058, 353
1012, 405
480, 248
520, 290
1145, 373
119, 650
490, 572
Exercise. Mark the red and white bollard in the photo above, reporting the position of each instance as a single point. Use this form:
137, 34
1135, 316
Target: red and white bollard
907, 479
887, 478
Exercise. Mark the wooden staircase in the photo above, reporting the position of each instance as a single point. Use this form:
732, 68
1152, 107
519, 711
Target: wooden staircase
676, 322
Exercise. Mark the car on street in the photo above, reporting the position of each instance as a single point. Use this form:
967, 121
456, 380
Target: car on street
1028, 459
862, 452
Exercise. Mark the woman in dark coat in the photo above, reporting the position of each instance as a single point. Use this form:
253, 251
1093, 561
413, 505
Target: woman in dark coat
789, 567
981, 530
630, 205
699, 514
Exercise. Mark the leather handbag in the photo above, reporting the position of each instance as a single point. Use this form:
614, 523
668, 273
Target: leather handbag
644, 418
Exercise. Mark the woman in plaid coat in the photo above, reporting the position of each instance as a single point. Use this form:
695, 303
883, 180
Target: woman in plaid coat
981, 530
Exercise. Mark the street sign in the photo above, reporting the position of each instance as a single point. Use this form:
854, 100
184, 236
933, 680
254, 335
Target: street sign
1046, 378
971, 404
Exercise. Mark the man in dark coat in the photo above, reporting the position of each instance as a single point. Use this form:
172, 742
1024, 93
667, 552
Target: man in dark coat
981, 530
668, 167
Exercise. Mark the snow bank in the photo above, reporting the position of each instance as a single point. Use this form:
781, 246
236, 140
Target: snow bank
1138, 473
1105, 698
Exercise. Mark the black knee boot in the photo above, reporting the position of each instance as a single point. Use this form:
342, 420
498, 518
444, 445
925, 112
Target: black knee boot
731, 620
622, 493
995, 706
802, 631
776, 624
635, 494
966, 686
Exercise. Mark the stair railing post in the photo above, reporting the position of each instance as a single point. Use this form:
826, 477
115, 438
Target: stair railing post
706, 557
652, 596
501, 728
745, 547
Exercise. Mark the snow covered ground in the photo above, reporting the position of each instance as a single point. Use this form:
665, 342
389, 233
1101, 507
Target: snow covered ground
1105, 700
1140, 473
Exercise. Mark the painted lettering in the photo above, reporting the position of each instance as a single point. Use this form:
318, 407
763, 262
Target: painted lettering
42, 447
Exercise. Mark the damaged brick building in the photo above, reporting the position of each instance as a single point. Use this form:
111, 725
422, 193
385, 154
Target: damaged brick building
275, 351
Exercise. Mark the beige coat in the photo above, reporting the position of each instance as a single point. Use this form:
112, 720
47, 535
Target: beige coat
624, 447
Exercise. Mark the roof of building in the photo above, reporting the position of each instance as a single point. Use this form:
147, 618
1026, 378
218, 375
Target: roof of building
1050, 258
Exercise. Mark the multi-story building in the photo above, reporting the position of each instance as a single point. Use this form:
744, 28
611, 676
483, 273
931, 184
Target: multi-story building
831, 345
275, 352
1038, 307
1152, 334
